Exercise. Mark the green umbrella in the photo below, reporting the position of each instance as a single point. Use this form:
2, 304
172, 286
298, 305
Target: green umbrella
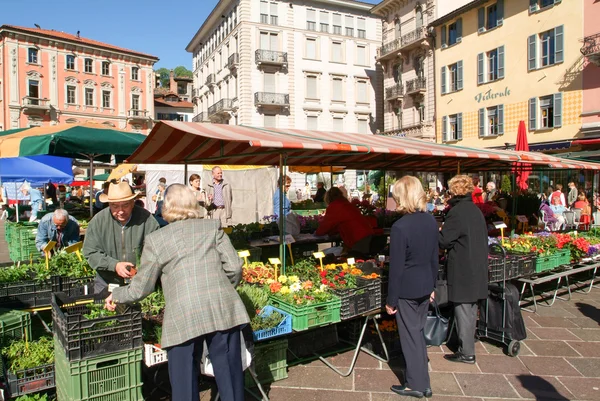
88, 140
12, 131
98, 177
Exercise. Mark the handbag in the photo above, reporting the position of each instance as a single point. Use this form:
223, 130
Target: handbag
436, 327
206, 366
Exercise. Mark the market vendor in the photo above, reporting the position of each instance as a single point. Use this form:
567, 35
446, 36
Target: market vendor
345, 219
115, 236
321, 191
36, 200
287, 205
58, 227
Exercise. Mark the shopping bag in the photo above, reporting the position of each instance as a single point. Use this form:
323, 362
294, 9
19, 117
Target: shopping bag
206, 367
436, 327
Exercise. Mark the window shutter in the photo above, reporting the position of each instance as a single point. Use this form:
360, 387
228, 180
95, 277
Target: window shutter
459, 30
532, 114
481, 122
459, 127
459, 74
531, 53
501, 62
533, 6
481, 19
443, 80
445, 129
480, 76
500, 113
264, 7
311, 15
273, 9
559, 44
558, 109
444, 36
500, 12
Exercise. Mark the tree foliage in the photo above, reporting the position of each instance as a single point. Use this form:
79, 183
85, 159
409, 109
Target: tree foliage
181, 71
163, 74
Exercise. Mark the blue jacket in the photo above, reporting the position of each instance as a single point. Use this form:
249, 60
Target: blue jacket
47, 232
287, 205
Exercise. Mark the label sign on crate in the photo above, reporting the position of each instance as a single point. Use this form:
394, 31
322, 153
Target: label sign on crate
522, 219
499, 224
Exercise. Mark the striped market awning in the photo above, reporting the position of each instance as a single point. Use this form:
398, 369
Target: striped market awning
174, 142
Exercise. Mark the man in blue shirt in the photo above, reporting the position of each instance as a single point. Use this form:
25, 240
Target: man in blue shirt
287, 205
36, 200
58, 227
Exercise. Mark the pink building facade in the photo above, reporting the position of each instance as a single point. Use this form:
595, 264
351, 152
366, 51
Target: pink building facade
49, 77
591, 69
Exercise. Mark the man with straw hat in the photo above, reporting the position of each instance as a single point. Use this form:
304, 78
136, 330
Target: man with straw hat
115, 236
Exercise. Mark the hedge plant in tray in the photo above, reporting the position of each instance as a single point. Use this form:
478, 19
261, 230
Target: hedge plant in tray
21, 355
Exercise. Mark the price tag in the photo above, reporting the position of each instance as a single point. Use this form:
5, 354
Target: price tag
522, 219
111, 287
499, 224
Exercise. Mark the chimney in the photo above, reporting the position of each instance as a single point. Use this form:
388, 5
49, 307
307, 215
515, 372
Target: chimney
172, 83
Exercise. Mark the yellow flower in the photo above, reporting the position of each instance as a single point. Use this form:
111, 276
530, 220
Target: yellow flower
270, 281
345, 266
282, 279
293, 279
285, 289
330, 266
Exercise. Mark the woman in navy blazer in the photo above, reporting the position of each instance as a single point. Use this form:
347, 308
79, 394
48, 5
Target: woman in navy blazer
413, 274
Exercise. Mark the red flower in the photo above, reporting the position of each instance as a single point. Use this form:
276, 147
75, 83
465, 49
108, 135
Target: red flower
323, 274
342, 274
324, 281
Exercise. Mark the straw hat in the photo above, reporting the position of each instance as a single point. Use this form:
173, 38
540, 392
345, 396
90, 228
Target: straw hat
120, 192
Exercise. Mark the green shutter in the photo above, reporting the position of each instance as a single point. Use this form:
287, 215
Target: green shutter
445, 129
501, 62
459, 127
500, 113
443, 30
557, 104
531, 53
500, 12
480, 76
559, 44
481, 20
533, 6
459, 74
532, 114
443, 80
481, 123
459, 30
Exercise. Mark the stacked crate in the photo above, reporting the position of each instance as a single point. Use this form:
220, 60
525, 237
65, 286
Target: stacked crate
21, 241
97, 359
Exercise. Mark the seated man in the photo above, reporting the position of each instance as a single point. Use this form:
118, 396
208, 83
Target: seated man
58, 227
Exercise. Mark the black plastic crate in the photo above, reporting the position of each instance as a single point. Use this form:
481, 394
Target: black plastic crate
83, 338
34, 294
28, 381
364, 298
495, 269
77, 287
526, 264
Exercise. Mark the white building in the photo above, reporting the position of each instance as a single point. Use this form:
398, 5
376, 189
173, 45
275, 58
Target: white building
406, 56
294, 64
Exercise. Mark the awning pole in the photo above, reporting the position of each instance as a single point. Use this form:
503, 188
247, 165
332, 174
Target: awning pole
385, 196
185, 174
281, 215
16, 200
91, 186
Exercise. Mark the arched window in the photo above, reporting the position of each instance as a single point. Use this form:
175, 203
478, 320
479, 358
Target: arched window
419, 17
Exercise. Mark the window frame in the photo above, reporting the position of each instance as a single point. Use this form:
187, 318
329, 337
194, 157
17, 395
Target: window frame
86, 92
309, 77
105, 92
35, 52
342, 55
107, 65
71, 57
136, 76
338, 96
88, 62
74, 87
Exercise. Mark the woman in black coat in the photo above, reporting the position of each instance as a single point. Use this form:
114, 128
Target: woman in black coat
464, 235
413, 274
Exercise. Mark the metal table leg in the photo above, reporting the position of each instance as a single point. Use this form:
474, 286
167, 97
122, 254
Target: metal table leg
534, 310
260, 389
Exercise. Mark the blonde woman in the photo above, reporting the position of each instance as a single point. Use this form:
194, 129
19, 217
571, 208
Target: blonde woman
199, 269
464, 235
413, 274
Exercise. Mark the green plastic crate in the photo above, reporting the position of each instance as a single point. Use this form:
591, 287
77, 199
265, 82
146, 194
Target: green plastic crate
111, 377
270, 362
544, 263
305, 317
563, 257
14, 324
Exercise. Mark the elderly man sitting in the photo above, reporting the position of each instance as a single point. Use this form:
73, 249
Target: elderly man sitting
58, 227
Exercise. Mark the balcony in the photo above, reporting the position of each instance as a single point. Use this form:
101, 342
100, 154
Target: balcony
270, 57
222, 107
200, 118
421, 130
394, 92
416, 86
34, 105
211, 80
591, 48
138, 115
233, 61
272, 100
389, 50
414, 39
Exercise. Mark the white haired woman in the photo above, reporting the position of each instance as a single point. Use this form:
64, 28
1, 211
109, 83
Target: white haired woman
199, 269
413, 274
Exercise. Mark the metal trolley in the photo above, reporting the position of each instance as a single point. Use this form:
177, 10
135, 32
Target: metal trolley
499, 272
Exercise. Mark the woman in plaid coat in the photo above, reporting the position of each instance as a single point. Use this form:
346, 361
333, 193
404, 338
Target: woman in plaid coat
199, 269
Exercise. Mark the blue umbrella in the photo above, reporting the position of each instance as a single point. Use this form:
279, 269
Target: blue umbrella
34, 171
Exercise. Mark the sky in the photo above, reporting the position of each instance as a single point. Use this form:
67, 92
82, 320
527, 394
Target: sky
158, 27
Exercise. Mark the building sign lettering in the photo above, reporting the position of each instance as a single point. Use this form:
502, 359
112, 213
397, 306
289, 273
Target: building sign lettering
489, 95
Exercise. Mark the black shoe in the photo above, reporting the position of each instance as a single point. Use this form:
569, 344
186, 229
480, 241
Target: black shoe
428, 393
458, 357
401, 390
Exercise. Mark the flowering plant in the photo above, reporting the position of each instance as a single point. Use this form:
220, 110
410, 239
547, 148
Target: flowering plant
257, 273
309, 223
365, 207
292, 290
488, 208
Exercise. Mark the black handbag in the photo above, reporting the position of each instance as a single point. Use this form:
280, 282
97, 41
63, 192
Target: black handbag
436, 327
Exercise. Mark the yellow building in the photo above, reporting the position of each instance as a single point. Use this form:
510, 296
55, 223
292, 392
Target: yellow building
499, 62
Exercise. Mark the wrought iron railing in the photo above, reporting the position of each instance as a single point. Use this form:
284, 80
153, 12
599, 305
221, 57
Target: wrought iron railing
35, 101
411, 37
591, 45
394, 92
138, 113
210, 79
389, 47
416, 84
220, 106
266, 98
271, 57
198, 118
233, 61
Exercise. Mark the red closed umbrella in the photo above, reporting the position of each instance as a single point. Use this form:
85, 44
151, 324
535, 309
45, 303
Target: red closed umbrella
522, 145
